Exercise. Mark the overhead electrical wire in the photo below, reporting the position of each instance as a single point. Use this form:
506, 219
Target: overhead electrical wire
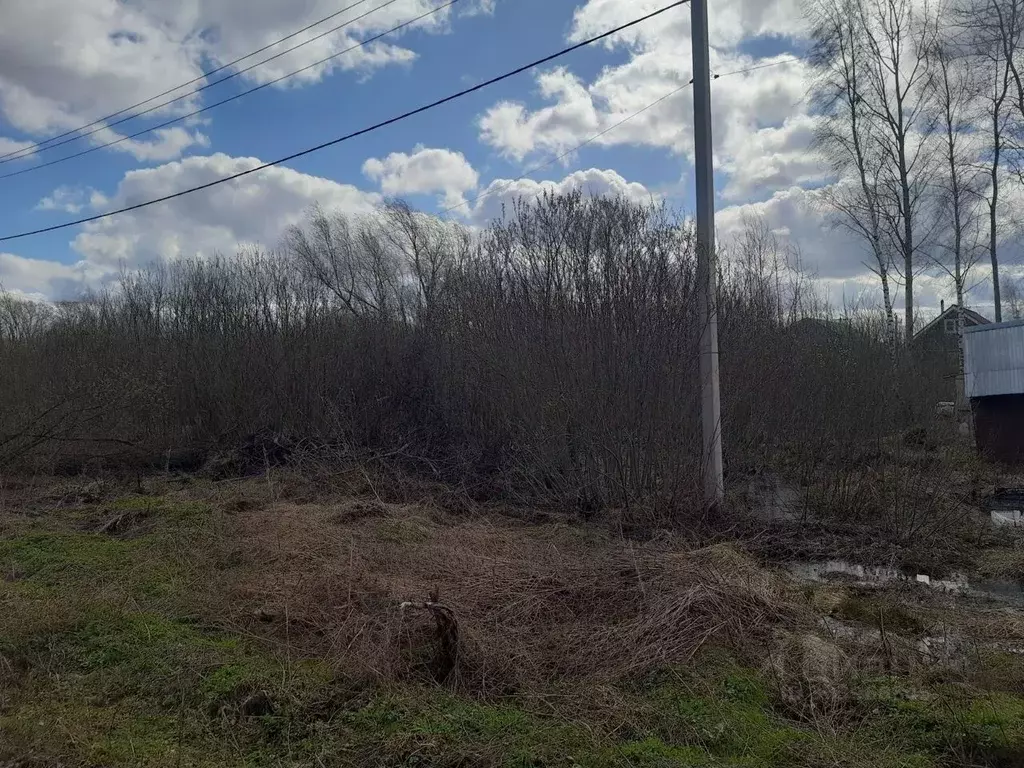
203, 76
756, 67
102, 124
376, 126
234, 97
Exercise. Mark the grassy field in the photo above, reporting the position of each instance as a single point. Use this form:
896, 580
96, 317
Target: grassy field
260, 623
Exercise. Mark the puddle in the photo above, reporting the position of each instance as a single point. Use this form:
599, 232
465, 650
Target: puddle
1009, 592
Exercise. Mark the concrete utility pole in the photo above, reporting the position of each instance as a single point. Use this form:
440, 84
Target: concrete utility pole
704, 172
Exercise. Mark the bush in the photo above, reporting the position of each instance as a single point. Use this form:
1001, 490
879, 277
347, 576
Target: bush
550, 358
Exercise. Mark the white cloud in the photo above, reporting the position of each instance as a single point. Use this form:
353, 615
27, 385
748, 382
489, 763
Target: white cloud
254, 209
63, 198
758, 116
509, 128
423, 172
730, 21
237, 27
41, 278
502, 193
163, 144
838, 261
798, 219
66, 63
479, 8
10, 146
771, 158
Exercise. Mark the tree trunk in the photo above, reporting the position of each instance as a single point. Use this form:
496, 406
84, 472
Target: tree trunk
908, 241
995, 261
890, 316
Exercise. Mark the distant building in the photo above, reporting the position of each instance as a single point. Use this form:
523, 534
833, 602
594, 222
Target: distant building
939, 336
935, 345
994, 383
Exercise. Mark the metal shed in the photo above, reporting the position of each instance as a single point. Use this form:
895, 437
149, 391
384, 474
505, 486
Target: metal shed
994, 383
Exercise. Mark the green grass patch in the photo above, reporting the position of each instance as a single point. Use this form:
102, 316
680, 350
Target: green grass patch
874, 610
55, 559
959, 724
130, 689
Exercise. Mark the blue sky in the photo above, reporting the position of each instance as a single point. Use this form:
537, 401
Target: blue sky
68, 62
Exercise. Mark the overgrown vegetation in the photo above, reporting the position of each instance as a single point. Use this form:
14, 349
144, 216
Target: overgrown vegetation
550, 359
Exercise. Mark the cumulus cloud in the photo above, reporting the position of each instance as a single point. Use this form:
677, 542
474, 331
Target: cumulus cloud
510, 129
254, 209
798, 219
759, 115
839, 263
771, 158
66, 63
502, 193
162, 144
44, 279
239, 26
64, 198
732, 21
425, 171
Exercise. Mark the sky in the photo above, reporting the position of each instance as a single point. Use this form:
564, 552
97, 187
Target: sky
68, 63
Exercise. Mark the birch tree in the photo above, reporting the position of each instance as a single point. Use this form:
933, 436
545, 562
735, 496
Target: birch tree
995, 28
958, 181
956, 202
1015, 298
846, 136
897, 97
873, 84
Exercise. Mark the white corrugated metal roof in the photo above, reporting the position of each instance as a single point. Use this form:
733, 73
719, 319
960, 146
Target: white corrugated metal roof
994, 359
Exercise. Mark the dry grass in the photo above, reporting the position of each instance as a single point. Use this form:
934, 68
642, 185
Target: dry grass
536, 605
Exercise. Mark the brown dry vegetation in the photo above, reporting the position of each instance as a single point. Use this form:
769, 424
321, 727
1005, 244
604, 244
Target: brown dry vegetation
241, 622
550, 360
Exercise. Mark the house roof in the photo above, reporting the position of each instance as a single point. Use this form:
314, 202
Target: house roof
970, 316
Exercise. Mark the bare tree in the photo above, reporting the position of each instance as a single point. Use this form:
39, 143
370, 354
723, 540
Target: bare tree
900, 34
22, 318
958, 215
847, 136
327, 252
873, 88
1014, 295
995, 29
957, 183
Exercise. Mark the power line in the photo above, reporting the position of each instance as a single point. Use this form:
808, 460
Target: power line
101, 124
390, 121
208, 107
756, 67
190, 82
